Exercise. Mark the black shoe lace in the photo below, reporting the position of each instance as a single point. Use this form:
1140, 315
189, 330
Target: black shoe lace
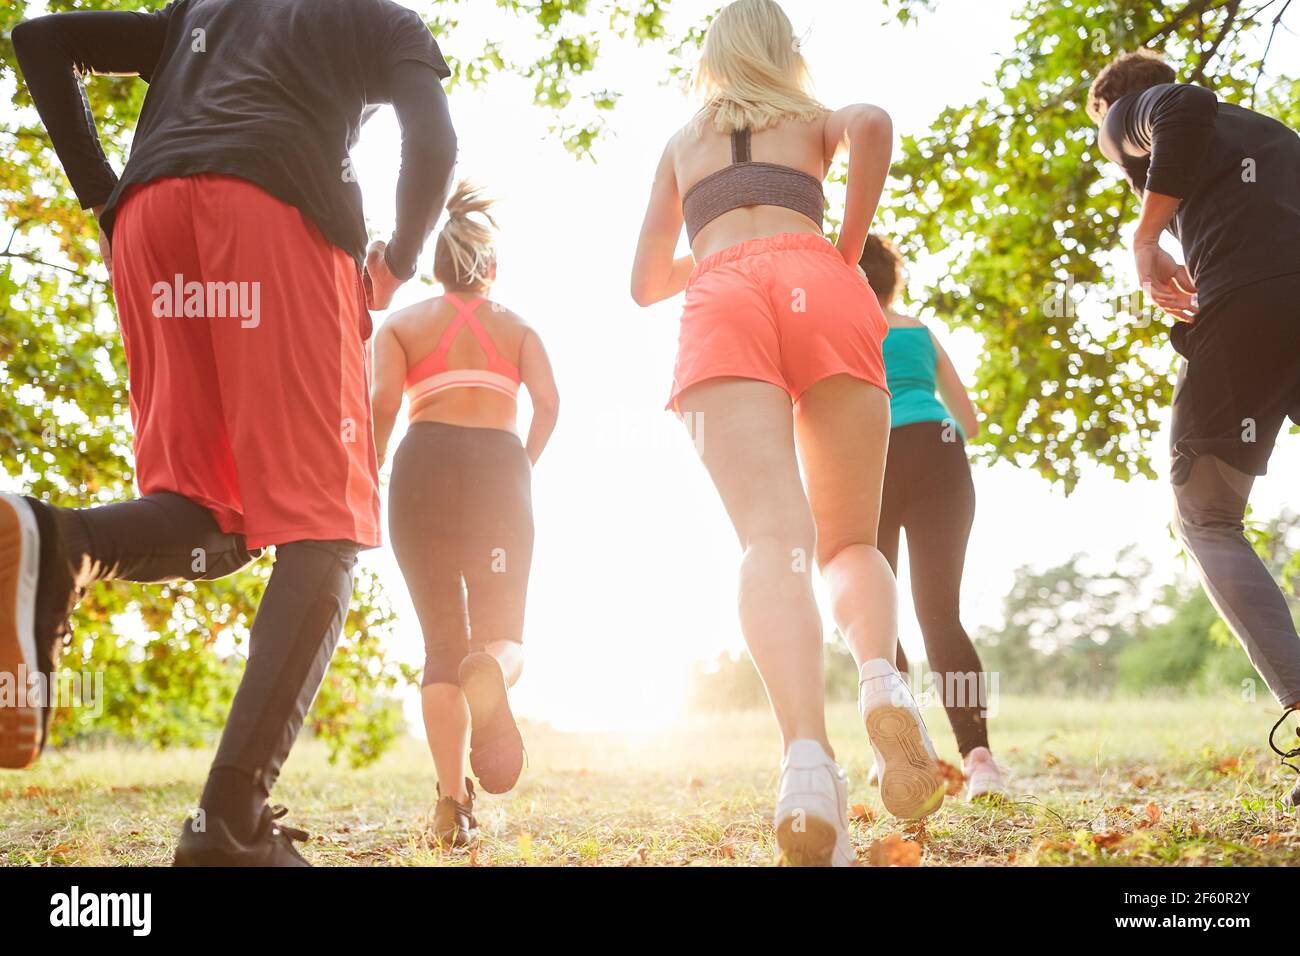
1285, 755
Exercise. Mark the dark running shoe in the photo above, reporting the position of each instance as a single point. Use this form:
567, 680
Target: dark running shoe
215, 845
1292, 799
496, 750
453, 822
37, 595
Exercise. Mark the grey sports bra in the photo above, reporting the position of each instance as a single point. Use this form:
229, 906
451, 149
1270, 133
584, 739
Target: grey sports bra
747, 183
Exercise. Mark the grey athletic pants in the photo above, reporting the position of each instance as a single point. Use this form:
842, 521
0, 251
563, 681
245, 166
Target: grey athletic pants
1210, 508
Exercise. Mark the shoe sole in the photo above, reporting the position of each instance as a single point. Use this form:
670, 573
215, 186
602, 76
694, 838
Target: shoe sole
20, 556
911, 786
496, 748
811, 844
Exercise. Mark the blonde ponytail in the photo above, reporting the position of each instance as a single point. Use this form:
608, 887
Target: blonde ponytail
465, 252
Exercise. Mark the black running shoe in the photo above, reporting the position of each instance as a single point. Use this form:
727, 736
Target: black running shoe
215, 845
37, 595
453, 823
1292, 799
496, 750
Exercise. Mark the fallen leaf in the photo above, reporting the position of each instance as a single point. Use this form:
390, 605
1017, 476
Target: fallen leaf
473, 854
1104, 841
695, 783
638, 856
916, 831
1227, 765
1046, 845
1050, 758
894, 851
727, 851
861, 813
1265, 839
1142, 780
1152, 814
953, 777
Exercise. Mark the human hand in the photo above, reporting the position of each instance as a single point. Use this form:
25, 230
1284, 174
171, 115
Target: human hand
1168, 284
380, 282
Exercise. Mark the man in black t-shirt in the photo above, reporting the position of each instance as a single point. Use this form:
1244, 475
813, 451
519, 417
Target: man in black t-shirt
237, 251
1226, 182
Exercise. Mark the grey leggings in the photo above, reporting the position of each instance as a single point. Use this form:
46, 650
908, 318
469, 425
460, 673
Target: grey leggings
1209, 513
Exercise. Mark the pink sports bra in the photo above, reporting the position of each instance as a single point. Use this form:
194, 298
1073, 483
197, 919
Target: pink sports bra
431, 374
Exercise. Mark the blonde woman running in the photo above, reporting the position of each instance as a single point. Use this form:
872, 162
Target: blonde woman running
780, 348
460, 510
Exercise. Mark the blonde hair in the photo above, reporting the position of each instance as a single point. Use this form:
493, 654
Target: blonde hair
752, 74
465, 252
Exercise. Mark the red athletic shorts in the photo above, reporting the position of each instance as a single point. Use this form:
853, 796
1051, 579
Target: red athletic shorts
784, 309
246, 337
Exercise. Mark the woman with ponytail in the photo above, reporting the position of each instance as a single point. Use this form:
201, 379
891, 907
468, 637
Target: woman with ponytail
780, 349
459, 504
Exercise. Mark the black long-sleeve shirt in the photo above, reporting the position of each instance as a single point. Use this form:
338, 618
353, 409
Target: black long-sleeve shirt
273, 92
1237, 173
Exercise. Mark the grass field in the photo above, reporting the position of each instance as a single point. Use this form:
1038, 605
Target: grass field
1186, 782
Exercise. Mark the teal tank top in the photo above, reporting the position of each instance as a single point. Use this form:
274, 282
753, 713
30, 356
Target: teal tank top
910, 363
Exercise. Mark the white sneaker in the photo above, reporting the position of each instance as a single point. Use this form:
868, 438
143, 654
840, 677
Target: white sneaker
911, 785
812, 809
984, 778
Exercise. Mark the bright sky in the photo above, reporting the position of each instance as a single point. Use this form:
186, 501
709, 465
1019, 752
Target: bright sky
635, 566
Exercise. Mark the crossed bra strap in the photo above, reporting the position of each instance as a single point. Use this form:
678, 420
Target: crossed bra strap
432, 375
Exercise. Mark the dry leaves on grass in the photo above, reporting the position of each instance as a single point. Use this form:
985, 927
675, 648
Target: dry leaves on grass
953, 778
1265, 839
1227, 765
894, 851
638, 857
1152, 813
861, 813
1063, 846
1108, 840
1050, 758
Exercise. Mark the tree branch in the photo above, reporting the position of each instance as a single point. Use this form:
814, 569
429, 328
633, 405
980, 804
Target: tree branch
1207, 55
34, 260
1277, 20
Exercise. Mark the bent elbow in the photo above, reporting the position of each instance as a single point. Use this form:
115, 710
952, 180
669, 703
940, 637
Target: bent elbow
30, 35
547, 407
641, 294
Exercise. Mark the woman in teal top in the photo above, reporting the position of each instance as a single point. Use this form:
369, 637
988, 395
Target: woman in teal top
929, 495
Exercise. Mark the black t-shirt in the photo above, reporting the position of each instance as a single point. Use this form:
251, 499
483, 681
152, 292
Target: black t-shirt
270, 91
1237, 173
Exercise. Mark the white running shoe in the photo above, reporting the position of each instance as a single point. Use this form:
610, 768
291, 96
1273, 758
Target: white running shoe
911, 784
984, 778
812, 809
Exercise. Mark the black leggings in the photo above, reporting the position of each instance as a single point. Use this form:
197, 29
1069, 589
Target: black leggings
165, 537
460, 517
929, 494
